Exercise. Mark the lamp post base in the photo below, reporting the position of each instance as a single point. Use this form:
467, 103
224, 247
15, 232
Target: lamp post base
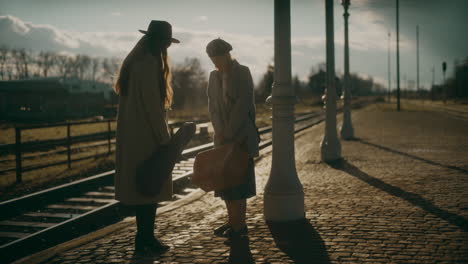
330, 149
347, 131
283, 207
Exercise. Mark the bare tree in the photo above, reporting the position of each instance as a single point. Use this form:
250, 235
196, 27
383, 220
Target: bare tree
110, 67
65, 65
263, 89
22, 59
95, 63
73, 64
45, 61
60, 61
189, 83
82, 63
4, 50
16, 60
26, 58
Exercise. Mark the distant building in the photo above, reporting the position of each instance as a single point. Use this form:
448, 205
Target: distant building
75, 85
52, 99
318, 83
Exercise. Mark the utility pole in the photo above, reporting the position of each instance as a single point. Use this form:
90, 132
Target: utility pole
444, 85
330, 146
398, 52
389, 68
405, 86
433, 75
417, 58
433, 82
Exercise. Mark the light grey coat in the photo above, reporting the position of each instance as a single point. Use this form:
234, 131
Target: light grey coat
232, 111
141, 128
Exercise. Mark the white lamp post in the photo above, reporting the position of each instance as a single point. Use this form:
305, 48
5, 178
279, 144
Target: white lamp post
347, 126
284, 196
330, 146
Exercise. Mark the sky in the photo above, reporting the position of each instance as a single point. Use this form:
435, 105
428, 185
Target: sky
110, 28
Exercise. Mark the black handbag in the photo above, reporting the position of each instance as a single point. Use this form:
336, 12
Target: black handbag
157, 169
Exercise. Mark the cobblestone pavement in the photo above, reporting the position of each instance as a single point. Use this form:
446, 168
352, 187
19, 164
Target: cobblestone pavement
399, 196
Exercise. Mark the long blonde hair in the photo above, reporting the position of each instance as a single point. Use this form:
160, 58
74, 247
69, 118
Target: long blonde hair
147, 46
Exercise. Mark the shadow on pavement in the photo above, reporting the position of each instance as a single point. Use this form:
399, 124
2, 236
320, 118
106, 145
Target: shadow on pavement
413, 198
300, 241
143, 260
413, 157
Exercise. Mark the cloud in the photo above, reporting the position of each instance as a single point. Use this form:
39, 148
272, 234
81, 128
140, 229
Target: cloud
20, 34
201, 19
255, 51
117, 14
442, 23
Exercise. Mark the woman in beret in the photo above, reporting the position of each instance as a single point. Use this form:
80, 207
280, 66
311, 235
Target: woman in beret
232, 112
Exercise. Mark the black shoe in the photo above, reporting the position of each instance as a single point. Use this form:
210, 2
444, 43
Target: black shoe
149, 246
140, 248
157, 246
221, 231
240, 250
244, 259
235, 235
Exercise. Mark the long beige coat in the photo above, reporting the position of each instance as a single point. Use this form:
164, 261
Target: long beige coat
141, 127
232, 109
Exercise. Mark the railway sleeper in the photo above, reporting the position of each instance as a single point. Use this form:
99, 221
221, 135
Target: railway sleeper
19, 229
83, 208
99, 195
87, 201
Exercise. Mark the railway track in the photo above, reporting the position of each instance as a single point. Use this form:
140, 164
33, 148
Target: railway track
40, 220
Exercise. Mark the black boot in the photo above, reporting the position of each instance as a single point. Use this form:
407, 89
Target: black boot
145, 242
222, 230
230, 234
240, 250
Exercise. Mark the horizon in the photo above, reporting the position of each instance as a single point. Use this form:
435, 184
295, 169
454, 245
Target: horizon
105, 29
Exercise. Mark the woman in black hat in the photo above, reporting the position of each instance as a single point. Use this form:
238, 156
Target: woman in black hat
232, 113
145, 93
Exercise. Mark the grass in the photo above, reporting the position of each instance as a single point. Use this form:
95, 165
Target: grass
47, 133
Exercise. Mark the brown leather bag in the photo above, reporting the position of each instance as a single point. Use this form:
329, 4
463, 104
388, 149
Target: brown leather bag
220, 168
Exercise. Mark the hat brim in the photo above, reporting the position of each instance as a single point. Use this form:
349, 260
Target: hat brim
173, 40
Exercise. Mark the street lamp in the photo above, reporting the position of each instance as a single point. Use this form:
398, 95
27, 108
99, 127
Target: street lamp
330, 146
284, 195
347, 126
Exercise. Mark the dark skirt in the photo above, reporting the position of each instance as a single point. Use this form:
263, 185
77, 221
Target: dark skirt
243, 191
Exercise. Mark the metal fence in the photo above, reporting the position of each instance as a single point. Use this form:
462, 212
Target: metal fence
19, 148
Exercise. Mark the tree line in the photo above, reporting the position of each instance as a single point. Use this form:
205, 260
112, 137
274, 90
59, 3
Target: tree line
189, 79
20, 63
315, 84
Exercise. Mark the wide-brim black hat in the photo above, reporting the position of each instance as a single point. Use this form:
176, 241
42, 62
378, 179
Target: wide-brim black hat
160, 28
